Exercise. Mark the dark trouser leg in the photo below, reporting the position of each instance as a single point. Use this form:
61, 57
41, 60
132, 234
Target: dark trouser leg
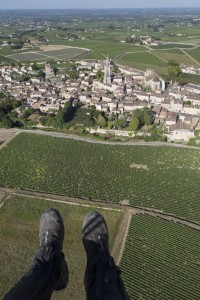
43, 277
103, 281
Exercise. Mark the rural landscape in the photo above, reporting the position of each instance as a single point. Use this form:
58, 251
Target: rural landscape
100, 110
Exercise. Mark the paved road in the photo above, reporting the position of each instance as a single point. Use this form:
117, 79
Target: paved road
93, 141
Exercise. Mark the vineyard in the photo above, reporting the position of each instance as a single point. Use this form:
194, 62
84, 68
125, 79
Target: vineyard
19, 223
161, 260
170, 181
65, 53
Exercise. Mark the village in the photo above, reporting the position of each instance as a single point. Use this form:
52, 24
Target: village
176, 108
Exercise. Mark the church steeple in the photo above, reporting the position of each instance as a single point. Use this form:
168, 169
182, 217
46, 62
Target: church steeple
107, 77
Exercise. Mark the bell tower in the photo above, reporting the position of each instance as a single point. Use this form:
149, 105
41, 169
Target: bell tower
107, 77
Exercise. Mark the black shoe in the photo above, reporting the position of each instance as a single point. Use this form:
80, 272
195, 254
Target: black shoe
102, 277
63, 278
95, 235
51, 231
51, 234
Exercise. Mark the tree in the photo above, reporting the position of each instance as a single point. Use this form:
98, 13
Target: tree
101, 121
147, 116
112, 117
147, 119
134, 123
100, 75
6, 122
140, 114
115, 69
28, 112
120, 123
35, 67
73, 73
24, 77
173, 63
41, 74
174, 70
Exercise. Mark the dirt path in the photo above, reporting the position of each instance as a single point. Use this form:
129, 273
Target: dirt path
154, 54
192, 58
128, 213
6, 135
167, 217
2, 195
120, 240
93, 141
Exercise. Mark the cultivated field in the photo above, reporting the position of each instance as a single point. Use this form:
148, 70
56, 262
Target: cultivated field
195, 54
65, 53
100, 49
19, 222
171, 182
180, 57
171, 45
161, 260
143, 61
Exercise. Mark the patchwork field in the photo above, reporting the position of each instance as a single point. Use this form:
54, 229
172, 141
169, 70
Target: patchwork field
161, 260
100, 49
69, 50
19, 222
170, 183
5, 58
169, 46
65, 53
143, 61
179, 56
195, 54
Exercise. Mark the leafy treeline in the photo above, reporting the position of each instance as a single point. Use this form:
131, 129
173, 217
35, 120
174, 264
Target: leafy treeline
8, 115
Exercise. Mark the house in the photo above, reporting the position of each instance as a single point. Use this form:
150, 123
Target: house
193, 88
180, 132
191, 109
157, 109
157, 98
162, 116
118, 79
152, 80
193, 98
141, 95
170, 119
166, 103
176, 105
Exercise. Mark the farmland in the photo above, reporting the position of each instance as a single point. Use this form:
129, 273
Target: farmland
158, 60
143, 61
61, 54
100, 49
179, 56
161, 260
171, 45
72, 49
195, 54
19, 222
102, 172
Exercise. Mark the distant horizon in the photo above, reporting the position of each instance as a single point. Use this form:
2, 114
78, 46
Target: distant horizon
98, 4
102, 8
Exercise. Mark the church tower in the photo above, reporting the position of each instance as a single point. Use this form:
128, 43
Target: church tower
49, 72
107, 77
